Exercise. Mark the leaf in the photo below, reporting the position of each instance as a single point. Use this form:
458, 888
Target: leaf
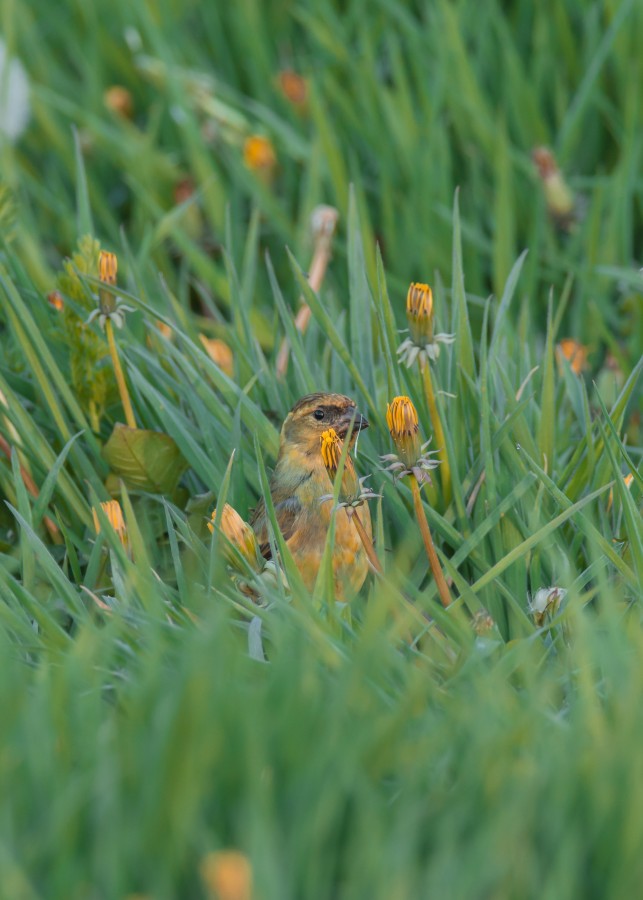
145, 460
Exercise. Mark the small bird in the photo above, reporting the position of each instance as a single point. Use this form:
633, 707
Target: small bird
297, 486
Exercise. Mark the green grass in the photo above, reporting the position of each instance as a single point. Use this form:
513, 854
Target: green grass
151, 712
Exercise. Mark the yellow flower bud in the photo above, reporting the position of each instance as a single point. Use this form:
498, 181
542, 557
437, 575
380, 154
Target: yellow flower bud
419, 313
114, 513
402, 421
107, 267
259, 154
55, 300
331, 451
575, 353
220, 353
239, 534
294, 87
560, 199
119, 100
227, 875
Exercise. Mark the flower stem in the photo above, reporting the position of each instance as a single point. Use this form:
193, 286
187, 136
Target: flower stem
367, 542
120, 377
436, 424
318, 266
434, 562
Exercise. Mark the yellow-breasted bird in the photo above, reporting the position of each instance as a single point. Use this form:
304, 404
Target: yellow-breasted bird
300, 481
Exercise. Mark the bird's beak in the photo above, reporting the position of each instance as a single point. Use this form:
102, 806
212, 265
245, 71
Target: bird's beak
352, 421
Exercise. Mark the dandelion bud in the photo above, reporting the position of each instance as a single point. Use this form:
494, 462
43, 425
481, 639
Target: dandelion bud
227, 875
402, 421
119, 100
559, 197
55, 300
259, 154
220, 353
114, 514
419, 313
239, 534
331, 451
575, 353
107, 267
294, 87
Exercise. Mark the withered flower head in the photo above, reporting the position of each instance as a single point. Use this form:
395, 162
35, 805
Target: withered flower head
114, 514
323, 221
240, 537
422, 343
352, 491
483, 622
402, 421
546, 601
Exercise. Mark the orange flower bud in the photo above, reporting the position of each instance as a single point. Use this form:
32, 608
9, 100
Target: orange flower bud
114, 513
294, 87
239, 534
259, 154
331, 451
55, 300
419, 313
402, 421
575, 353
220, 353
227, 875
119, 100
107, 267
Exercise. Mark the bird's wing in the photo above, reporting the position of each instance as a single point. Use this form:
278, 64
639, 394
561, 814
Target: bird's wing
287, 512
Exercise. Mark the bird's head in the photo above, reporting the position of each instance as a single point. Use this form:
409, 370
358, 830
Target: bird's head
316, 413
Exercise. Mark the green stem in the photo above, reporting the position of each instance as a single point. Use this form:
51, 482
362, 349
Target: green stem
367, 542
425, 531
436, 424
120, 377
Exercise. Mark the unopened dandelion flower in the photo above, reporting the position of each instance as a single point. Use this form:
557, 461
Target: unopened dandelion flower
411, 457
55, 300
259, 154
114, 513
107, 267
353, 491
240, 537
558, 196
108, 305
219, 352
294, 87
227, 875
575, 353
119, 100
422, 344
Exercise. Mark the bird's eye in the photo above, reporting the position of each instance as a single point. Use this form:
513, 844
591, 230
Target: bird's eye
319, 414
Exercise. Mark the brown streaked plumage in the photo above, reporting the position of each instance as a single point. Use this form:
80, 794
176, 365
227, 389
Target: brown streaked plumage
300, 481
